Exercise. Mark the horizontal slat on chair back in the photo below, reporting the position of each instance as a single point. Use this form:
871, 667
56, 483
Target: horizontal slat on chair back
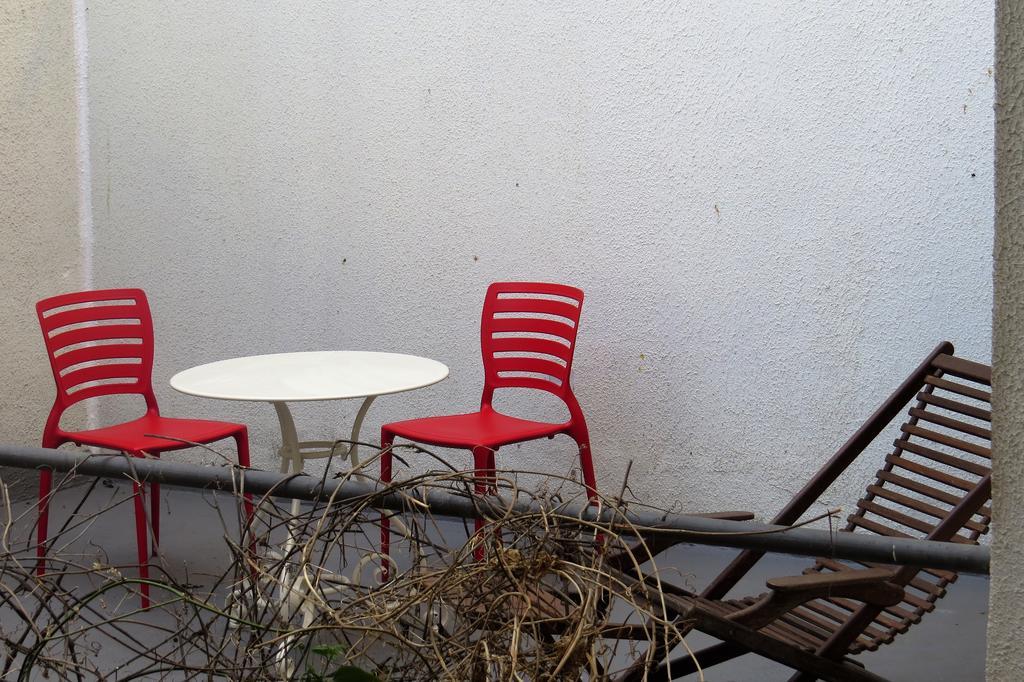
943, 452
99, 343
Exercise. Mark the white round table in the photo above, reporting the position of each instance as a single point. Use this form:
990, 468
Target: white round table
283, 378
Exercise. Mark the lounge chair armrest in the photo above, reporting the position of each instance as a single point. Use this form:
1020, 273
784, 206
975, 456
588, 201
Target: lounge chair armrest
821, 580
870, 586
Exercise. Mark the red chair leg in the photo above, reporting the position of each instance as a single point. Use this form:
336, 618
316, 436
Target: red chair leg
153, 491
483, 483
479, 552
492, 467
492, 477
587, 464
142, 539
45, 485
387, 441
241, 439
154, 514
242, 448
582, 439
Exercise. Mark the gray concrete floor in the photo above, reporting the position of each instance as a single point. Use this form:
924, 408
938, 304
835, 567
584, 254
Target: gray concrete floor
948, 644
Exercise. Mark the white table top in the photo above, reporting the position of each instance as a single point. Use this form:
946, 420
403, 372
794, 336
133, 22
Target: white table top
318, 375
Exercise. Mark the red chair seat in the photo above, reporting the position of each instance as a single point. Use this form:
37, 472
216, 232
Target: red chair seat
139, 434
487, 428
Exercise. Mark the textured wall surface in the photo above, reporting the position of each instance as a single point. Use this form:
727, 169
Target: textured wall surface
1005, 654
38, 197
775, 209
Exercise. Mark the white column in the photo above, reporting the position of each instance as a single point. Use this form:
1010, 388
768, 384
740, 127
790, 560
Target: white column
39, 189
1006, 619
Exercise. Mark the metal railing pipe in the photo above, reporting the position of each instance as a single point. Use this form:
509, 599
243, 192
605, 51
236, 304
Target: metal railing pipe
687, 528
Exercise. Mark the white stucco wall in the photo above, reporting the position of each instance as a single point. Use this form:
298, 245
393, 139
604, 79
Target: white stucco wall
38, 207
1005, 654
775, 208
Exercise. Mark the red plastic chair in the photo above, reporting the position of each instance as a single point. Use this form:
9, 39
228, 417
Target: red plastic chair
527, 339
101, 343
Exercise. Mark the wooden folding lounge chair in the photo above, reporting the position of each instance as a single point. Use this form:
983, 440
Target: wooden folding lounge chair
934, 484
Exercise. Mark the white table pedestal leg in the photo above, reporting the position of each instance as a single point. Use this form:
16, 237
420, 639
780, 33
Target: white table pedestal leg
291, 458
293, 453
289, 452
357, 425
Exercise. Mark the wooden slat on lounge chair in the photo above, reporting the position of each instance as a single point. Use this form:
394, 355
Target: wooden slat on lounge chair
896, 516
926, 490
942, 439
953, 387
955, 406
928, 472
954, 424
945, 459
919, 506
965, 369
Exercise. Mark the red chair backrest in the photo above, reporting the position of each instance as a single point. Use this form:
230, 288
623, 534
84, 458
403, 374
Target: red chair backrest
528, 336
99, 343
